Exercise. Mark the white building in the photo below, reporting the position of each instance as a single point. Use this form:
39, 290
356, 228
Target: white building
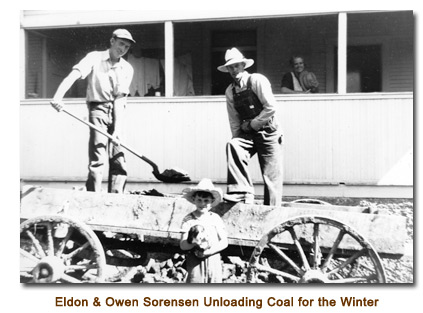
354, 138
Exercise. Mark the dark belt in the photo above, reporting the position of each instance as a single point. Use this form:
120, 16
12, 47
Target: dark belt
94, 103
106, 107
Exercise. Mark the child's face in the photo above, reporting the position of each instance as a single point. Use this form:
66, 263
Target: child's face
203, 202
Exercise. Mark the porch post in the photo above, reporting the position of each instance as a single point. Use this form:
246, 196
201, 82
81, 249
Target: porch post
44, 61
169, 57
342, 53
22, 67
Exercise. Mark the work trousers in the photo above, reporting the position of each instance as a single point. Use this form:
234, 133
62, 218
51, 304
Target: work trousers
268, 146
101, 150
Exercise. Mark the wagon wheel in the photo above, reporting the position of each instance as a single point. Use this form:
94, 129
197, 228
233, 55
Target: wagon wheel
350, 258
55, 248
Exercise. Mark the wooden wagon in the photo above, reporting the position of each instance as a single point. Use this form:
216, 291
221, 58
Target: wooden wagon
65, 236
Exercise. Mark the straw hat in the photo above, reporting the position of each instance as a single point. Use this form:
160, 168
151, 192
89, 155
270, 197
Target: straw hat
233, 56
308, 80
205, 185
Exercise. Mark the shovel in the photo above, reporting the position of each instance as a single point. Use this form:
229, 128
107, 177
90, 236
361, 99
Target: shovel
168, 176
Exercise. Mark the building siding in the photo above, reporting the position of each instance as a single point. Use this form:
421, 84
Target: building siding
330, 140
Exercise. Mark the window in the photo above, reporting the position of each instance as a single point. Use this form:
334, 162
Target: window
245, 41
364, 68
51, 54
380, 53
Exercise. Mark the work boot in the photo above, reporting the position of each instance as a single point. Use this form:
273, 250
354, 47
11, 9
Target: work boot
117, 183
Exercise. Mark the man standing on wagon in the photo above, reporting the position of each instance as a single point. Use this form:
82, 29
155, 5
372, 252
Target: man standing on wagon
251, 109
108, 78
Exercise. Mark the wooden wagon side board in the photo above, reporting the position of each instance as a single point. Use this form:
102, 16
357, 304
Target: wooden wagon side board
160, 217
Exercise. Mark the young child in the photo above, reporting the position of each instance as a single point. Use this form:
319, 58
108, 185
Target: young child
203, 234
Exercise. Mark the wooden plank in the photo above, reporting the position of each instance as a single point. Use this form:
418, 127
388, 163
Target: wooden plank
160, 217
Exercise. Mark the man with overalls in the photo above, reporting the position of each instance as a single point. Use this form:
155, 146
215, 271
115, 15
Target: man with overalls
108, 78
252, 118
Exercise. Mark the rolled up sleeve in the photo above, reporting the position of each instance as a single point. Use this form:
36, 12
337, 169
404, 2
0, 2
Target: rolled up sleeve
85, 66
263, 89
234, 118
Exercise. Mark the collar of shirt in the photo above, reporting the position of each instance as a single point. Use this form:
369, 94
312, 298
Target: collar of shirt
106, 57
242, 83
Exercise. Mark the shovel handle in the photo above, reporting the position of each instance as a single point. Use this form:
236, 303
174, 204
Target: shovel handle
155, 168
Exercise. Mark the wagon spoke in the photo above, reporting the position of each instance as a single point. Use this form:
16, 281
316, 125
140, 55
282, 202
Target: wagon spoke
63, 243
28, 261
299, 248
36, 243
316, 259
50, 241
80, 270
332, 251
26, 269
29, 256
276, 272
76, 251
286, 258
81, 267
350, 260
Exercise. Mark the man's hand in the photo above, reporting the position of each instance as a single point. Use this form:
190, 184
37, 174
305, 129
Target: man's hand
115, 140
246, 127
58, 105
199, 253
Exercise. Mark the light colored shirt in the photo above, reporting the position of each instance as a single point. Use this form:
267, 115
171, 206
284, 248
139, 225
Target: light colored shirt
106, 81
262, 88
212, 223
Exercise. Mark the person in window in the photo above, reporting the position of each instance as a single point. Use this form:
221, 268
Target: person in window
108, 77
299, 80
255, 129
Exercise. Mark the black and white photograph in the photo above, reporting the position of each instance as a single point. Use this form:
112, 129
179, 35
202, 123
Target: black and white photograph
247, 148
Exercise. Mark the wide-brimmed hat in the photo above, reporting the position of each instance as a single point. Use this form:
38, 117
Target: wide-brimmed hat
205, 185
233, 56
308, 80
123, 34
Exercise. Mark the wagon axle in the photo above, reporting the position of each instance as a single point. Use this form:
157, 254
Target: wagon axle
314, 277
49, 270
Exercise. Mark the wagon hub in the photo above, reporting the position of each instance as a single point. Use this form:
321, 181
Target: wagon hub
48, 270
314, 276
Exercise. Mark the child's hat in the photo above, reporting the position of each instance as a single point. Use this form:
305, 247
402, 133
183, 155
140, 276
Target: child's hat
205, 185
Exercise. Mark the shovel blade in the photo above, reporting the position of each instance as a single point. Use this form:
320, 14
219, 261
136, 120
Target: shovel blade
172, 176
